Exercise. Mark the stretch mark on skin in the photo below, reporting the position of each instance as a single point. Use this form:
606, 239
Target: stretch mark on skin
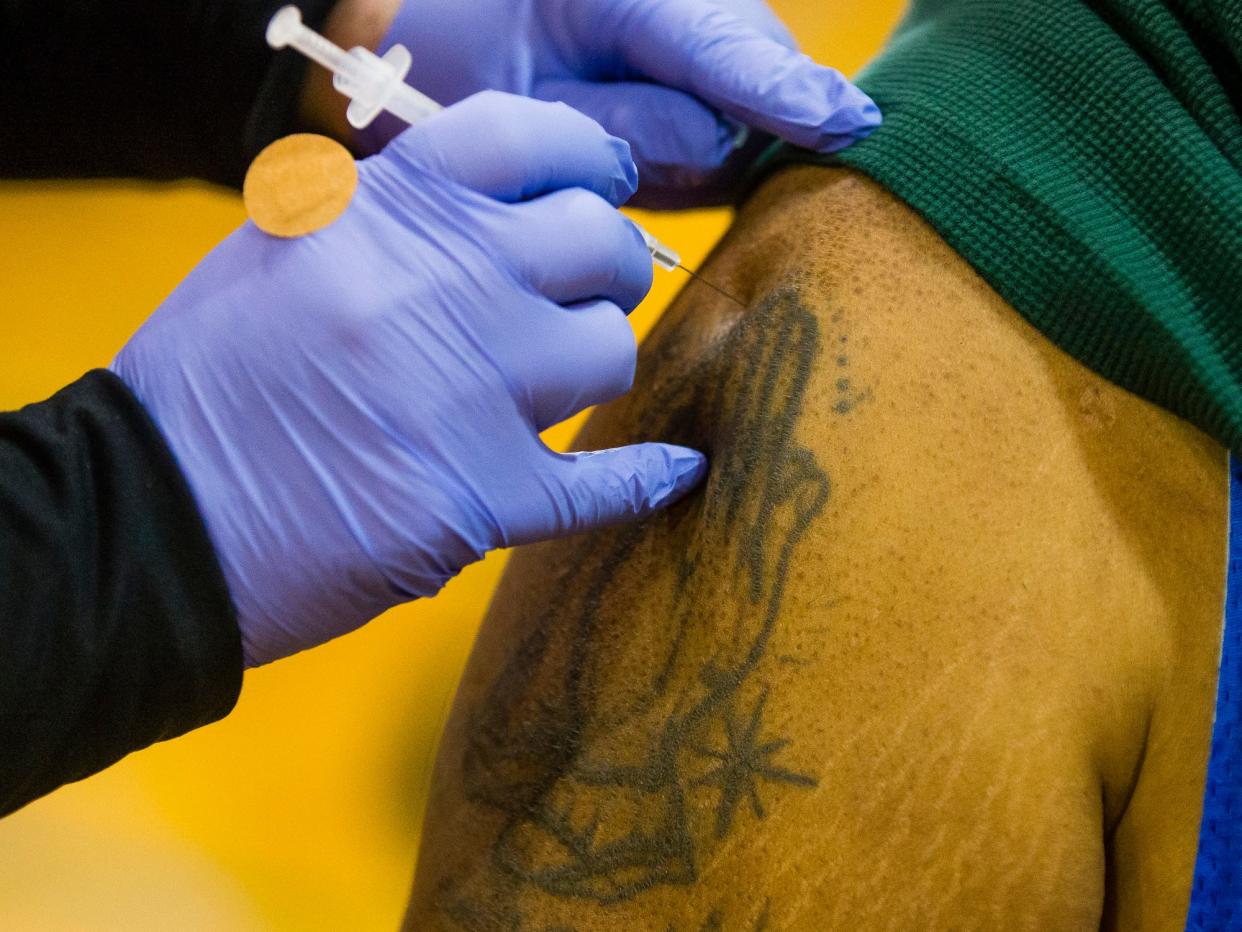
609, 788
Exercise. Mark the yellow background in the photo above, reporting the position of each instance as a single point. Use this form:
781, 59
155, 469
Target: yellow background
301, 810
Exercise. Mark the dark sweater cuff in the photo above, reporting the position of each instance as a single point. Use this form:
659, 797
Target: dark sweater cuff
118, 630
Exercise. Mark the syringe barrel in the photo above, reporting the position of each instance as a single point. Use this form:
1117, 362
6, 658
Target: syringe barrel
410, 105
363, 75
319, 49
661, 255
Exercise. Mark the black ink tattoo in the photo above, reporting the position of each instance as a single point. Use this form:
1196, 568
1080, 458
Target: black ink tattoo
847, 398
742, 764
612, 787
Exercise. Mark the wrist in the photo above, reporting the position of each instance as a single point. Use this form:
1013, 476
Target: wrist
351, 23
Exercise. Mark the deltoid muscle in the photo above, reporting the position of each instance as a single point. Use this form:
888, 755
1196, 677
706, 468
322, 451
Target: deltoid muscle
618, 759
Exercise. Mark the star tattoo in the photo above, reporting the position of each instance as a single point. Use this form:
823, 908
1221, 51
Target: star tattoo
742, 764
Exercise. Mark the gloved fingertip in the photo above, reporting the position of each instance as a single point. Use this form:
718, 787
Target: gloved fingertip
625, 182
837, 141
730, 136
687, 468
871, 116
814, 106
606, 487
741, 136
854, 116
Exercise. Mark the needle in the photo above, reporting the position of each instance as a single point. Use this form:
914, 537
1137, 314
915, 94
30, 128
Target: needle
716, 288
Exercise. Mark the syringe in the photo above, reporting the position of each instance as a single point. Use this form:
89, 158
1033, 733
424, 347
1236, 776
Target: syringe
374, 84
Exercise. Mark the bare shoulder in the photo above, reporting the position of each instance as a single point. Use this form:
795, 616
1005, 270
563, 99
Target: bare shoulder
943, 617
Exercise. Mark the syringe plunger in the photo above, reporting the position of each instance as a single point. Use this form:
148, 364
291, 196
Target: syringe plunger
371, 83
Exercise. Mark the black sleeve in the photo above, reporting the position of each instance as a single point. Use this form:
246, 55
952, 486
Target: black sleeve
157, 89
116, 627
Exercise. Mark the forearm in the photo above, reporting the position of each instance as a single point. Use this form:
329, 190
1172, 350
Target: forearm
147, 90
116, 623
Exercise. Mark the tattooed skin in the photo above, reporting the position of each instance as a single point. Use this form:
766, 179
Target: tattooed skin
613, 786
926, 651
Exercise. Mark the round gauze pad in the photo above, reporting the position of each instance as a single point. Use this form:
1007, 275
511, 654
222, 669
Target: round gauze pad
299, 184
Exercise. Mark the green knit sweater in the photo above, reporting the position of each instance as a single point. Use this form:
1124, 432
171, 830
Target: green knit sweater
1085, 156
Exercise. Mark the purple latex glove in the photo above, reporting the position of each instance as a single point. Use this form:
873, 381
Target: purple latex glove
674, 78
357, 411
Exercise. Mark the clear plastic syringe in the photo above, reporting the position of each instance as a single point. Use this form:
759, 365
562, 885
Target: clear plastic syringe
374, 84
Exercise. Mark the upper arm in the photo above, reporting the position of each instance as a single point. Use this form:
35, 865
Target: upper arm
891, 667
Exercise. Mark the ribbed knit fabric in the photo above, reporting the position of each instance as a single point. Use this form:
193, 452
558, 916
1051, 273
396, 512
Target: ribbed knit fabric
1084, 156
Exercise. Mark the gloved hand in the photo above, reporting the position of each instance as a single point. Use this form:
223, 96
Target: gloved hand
669, 76
356, 411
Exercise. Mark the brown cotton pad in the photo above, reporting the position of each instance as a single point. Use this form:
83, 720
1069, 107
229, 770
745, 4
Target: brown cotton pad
299, 184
